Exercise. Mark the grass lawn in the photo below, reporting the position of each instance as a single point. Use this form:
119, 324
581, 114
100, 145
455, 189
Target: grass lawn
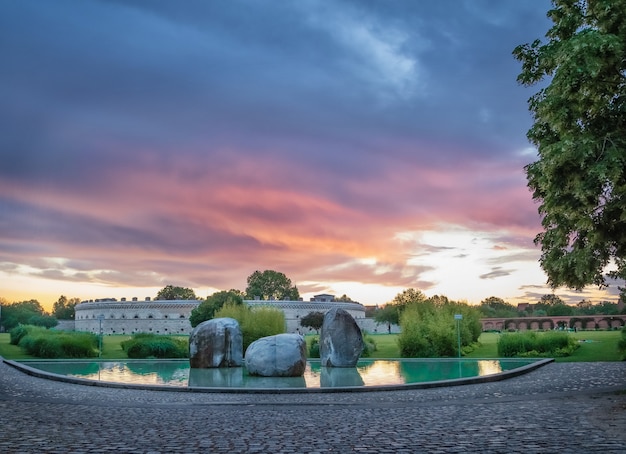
8, 351
597, 346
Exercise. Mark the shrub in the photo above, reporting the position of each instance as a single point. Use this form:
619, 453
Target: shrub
254, 323
314, 348
145, 345
37, 341
621, 345
428, 328
531, 344
18, 333
369, 346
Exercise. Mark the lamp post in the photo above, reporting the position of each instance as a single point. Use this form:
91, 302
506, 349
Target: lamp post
100, 318
458, 318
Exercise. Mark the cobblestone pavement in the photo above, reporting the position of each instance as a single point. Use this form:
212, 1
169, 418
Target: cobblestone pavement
559, 408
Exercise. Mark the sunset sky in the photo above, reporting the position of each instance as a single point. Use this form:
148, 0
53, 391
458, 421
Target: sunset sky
358, 147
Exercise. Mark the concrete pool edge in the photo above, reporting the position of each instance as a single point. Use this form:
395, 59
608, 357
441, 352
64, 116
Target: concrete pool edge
374, 388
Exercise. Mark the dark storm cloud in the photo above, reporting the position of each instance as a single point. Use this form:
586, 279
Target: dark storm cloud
207, 139
263, 77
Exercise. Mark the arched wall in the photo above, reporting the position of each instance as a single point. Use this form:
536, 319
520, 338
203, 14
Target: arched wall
172, 317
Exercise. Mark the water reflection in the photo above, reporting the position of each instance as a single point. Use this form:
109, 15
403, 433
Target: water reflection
337, 377
367, 373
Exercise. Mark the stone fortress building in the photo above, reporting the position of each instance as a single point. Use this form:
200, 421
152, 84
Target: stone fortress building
172, 316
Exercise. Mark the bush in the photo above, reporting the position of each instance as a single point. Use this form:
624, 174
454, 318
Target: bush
621, 345
369, 346
145, 345
37, 341
314, 348
254, 323
429, 329
531, 344
18, 333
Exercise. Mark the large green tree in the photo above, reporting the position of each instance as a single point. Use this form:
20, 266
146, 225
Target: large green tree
313, 320
579, 130
270, 284
63, 308
390, 313
26, 313
497, 307
170, 292
206, 310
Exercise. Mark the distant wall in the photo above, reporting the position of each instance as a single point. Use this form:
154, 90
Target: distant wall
172, 317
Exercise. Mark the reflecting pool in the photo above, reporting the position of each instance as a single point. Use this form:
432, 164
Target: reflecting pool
367, 373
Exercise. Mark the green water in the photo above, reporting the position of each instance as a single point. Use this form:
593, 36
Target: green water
366, 373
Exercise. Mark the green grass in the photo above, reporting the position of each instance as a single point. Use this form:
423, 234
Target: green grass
386, 346
602, 347
8, 351
112, 347
488, 347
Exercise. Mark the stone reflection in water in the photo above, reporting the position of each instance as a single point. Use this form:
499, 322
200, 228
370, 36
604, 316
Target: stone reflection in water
275, 382
223, 377
332, 377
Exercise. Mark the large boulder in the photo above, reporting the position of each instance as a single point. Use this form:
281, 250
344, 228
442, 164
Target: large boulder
216, 343
282, 355
341, 340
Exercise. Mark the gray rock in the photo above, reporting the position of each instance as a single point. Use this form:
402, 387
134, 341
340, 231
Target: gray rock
216, 343
341, 340
282, 355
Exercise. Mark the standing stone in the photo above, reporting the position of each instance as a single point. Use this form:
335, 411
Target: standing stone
216, 343
341, 340
282, 355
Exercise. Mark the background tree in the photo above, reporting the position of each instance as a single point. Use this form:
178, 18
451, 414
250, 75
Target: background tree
313, 320
579, 130
26, 313
390, 313
344, 299
206, 310
169, 292
63, 309
497, 307
271, 284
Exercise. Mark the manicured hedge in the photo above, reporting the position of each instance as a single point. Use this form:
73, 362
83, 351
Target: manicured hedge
528, 343
145, 345
45, 343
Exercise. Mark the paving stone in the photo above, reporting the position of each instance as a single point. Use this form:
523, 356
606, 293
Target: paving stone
561, 407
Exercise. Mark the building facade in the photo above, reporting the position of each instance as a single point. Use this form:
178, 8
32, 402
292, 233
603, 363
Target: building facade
110, 316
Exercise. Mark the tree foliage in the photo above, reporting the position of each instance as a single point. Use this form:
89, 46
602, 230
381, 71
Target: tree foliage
390, 312
429, 328
206, 310
344, 299
270, 284
313, 320
25, 313
63, 308
497, 307
579, 130
170, 292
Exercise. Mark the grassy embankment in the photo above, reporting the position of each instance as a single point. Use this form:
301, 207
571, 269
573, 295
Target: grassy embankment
599, 346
